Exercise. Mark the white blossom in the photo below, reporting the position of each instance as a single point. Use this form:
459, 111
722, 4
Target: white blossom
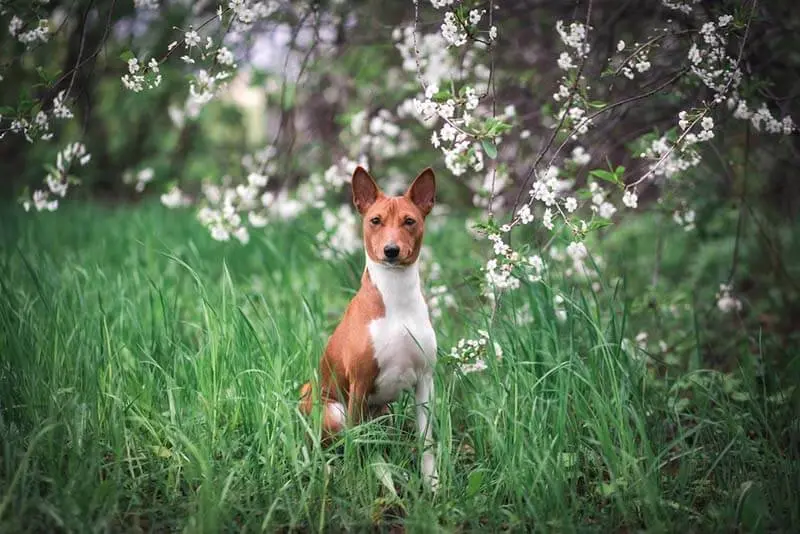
726, 302
452, 31
580, 157
191, 38
630, 199
525, 215
225, 57
175, 198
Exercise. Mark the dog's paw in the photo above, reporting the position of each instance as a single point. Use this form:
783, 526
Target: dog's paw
430, 475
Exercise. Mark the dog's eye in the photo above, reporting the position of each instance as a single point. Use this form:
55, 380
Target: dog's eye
409, 221
375, 220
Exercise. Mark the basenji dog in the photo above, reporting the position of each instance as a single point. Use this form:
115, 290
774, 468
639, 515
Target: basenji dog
384, 343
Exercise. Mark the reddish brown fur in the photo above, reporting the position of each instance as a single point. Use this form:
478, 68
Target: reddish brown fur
348, 368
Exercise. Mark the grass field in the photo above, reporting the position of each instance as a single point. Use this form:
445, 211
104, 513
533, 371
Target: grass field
149, 380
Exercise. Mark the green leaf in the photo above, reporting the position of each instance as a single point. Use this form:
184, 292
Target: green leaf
489, 148
494, 127
127, 55
599, 223
604, 175
44, 76
385, 476
474, 481
489, 227
442, 96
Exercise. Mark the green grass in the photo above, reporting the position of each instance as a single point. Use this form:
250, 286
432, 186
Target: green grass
149, 379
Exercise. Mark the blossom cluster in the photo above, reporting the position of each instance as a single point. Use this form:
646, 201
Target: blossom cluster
668, 158
246, 13
139, 77
140, 179
340, 232
39, 127
228, 209
669, 155
175, 198
427, 57
216, 61
38, 34
762, 118
439, 297
685, 219
379, 135
224, 207
726, 302
471, 354
58, 179
637, 62
709, 59
572, 114
716, 69
457, 137
600, 205
463, 122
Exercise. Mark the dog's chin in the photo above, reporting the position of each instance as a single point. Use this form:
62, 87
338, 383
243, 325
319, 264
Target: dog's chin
396, 263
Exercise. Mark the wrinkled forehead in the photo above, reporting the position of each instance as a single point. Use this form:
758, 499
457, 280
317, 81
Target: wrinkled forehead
394, 207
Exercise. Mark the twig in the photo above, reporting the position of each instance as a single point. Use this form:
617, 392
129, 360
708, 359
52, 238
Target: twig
303, 65
622, 102
96, 52
742, 202
80, 48
494, 110
707, 109
550, 141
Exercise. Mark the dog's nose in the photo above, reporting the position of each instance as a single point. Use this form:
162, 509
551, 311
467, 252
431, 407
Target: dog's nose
391, 251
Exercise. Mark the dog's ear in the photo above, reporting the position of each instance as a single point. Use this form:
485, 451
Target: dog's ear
423, 191
365, 190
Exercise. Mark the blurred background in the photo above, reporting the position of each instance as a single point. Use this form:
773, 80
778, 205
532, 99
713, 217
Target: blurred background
330, 83
350, 64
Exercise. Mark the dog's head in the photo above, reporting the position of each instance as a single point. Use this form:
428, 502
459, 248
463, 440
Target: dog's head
393, 226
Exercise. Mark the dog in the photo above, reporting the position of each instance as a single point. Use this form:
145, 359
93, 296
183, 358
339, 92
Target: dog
385, 343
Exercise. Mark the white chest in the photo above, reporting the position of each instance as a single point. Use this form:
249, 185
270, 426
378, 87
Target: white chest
404, 342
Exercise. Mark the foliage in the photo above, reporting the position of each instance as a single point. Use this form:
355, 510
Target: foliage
150, 376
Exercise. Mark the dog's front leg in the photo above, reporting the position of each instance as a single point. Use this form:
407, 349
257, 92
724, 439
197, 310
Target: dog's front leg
424, 396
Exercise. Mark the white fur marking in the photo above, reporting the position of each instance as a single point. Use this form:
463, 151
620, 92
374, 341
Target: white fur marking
423, 397
403, 340
336, 411
404, 344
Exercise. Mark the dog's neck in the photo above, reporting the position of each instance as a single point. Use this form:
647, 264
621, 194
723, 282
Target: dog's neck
400, 287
